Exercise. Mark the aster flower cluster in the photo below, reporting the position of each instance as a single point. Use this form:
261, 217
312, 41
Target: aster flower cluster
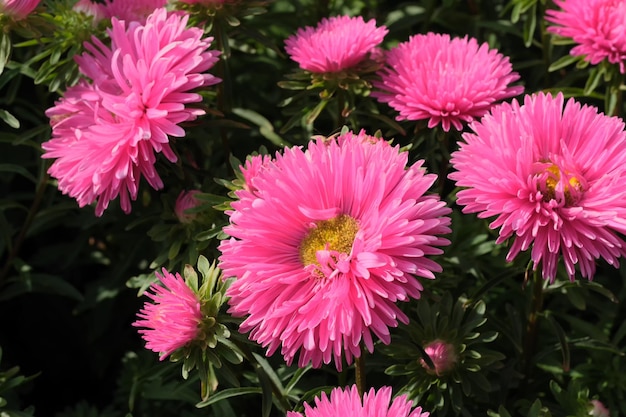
106, 132
390, 238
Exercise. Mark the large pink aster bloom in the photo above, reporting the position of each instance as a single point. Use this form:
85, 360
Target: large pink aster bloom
325, 243
335, 44
347, 402
18, 9
172, 320
105, 135
553, 176
445, 81
597, 26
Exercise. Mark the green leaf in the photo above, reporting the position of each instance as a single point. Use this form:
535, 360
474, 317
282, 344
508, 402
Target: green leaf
562, 62
9, 119
5, 49
265, 127
228, 393
39, 283
594, 79
17, 169
562, 342
529, 26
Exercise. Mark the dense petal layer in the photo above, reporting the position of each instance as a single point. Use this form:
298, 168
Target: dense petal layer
335, 44
347, 402
369, 226
445, 81
172, 320
552, 176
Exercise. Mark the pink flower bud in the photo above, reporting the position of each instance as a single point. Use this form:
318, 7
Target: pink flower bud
89, 8
442, 355
186, 200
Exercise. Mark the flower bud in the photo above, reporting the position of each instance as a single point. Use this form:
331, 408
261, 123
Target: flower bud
442, 355
186, 200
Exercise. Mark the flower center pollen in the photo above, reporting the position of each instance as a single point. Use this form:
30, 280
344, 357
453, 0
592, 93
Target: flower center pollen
561, 185
335, 235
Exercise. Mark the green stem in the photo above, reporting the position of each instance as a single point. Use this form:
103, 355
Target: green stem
359, 367
536, 305
19, 240
341, 102
546, 51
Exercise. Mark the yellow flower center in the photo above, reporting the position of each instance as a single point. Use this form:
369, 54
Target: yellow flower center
336, 234
571, 185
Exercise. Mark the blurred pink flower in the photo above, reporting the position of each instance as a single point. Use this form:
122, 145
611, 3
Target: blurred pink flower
331, 239
18, 9
105, 135
186, 200
135, 10
347, 402
597, 26
442, 355
446, 81
554, 178
335, 44
598, 409
172, 320
96, 10
208, 2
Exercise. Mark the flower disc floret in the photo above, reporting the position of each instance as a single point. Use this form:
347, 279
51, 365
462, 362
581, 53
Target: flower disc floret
335, 44
325, 245
106, 134
596, 26
173, 319
445, 81
551, 175
348, 402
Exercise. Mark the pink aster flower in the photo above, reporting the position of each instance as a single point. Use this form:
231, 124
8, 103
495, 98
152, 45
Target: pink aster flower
446, 81
18, 9
335, 44
597, 26
331, 239
347, 402
105, 135
186, 200
172, 320
553, 178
